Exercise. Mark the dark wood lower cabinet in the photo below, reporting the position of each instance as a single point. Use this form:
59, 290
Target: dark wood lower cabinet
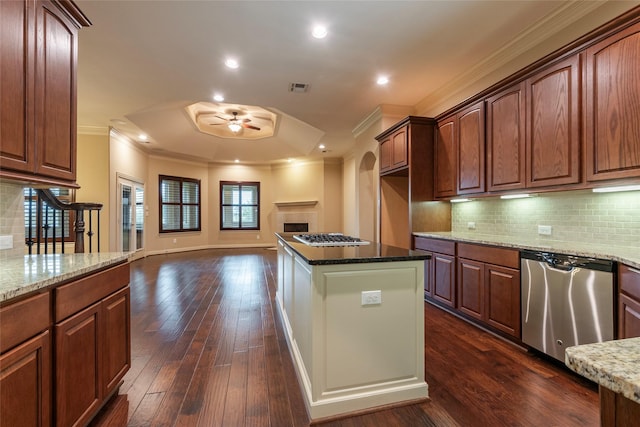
443, 279
25, 383
65, 350
78, 359
503, 299
471, 288
629, 317
117, 339
616, 410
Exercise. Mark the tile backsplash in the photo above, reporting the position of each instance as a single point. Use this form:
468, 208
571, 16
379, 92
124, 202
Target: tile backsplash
578, 216
12, 218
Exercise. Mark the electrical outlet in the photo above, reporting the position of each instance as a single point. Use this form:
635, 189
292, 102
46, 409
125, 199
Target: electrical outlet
257, 237
544, 230
371, 297
175, 240
471, 225
6, 242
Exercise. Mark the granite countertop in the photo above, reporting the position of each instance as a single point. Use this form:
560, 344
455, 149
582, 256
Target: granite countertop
623, 254
373, 252
612, 364
21, 275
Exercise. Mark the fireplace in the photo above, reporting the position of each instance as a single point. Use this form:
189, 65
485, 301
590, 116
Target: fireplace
296, 227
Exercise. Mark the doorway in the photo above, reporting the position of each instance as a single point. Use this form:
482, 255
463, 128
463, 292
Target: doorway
130, 217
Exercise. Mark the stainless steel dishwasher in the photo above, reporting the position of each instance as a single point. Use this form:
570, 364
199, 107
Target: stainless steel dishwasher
566, 301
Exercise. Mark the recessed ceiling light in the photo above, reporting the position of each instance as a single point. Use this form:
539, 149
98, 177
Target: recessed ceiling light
142, 137
218, 97
237, 161
319, 31
231, 63
382, 80
322, 146
289, 160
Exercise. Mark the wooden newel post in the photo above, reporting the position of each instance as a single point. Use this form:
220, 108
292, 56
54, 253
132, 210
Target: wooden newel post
78, 227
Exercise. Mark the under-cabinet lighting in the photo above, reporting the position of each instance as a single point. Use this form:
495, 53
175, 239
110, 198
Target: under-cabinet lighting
615, 189
515, 196
459, 200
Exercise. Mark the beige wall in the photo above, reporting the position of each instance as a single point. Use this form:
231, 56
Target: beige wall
92, 176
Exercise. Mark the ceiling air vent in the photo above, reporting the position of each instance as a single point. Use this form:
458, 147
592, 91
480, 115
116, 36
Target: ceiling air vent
299, 87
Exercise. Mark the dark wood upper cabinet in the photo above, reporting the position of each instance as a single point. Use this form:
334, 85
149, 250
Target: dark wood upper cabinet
506, 139
471, 146
612, 125
38, 96
446, 157
553, 124
393, 151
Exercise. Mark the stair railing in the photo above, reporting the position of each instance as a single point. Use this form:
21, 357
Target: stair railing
50, 208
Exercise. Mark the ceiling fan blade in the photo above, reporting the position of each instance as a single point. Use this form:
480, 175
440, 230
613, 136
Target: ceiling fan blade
246, 120
250, 127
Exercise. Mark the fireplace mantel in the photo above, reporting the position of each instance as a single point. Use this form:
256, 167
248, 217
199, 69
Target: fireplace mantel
296, 203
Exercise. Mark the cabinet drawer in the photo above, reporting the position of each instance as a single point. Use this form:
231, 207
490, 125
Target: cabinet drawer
629, 279
490, 254
23, 320
77, 295
447, 247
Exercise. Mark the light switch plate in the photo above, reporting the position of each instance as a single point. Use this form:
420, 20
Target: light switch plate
6, 242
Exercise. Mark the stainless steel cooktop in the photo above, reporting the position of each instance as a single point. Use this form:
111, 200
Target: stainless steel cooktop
329, 239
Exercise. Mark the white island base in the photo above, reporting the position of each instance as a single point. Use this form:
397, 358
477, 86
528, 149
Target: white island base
351, 353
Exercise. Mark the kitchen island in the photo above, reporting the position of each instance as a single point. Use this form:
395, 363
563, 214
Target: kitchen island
354, 323
615, 367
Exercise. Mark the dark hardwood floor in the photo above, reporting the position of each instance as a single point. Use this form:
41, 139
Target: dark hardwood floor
208, 350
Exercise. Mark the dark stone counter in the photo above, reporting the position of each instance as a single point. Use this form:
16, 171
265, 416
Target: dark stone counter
373, 252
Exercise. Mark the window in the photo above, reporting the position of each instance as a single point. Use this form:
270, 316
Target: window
239, 205
56, 223
179, 204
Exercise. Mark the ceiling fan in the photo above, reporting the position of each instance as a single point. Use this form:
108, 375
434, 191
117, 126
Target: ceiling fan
235, 124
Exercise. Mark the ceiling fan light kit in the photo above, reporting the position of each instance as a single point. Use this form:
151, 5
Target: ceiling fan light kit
232, 121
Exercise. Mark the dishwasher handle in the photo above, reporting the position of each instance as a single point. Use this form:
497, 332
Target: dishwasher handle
568, 262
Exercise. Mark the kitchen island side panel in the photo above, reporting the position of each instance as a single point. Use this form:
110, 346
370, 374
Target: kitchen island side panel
348, 356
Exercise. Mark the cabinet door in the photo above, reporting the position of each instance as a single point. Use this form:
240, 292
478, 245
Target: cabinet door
399, 148
553, 125
612, 130
444, 279
386, 154
506, 139
78, 359
55, 93
428, 277
471, 288
471, 150
503, 298
117, 339
445, 158
17, 33
25, 383
628, 318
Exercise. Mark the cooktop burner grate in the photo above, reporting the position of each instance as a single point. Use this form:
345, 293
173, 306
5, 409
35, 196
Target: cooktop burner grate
329, 239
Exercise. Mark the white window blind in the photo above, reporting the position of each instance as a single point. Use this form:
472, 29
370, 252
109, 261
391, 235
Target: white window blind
239, 205
179, 204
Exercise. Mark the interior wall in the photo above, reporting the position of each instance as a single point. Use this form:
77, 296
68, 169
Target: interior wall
367, 190
93, 178
332, 207
156, 242
127, 160
239, 172
12, 218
